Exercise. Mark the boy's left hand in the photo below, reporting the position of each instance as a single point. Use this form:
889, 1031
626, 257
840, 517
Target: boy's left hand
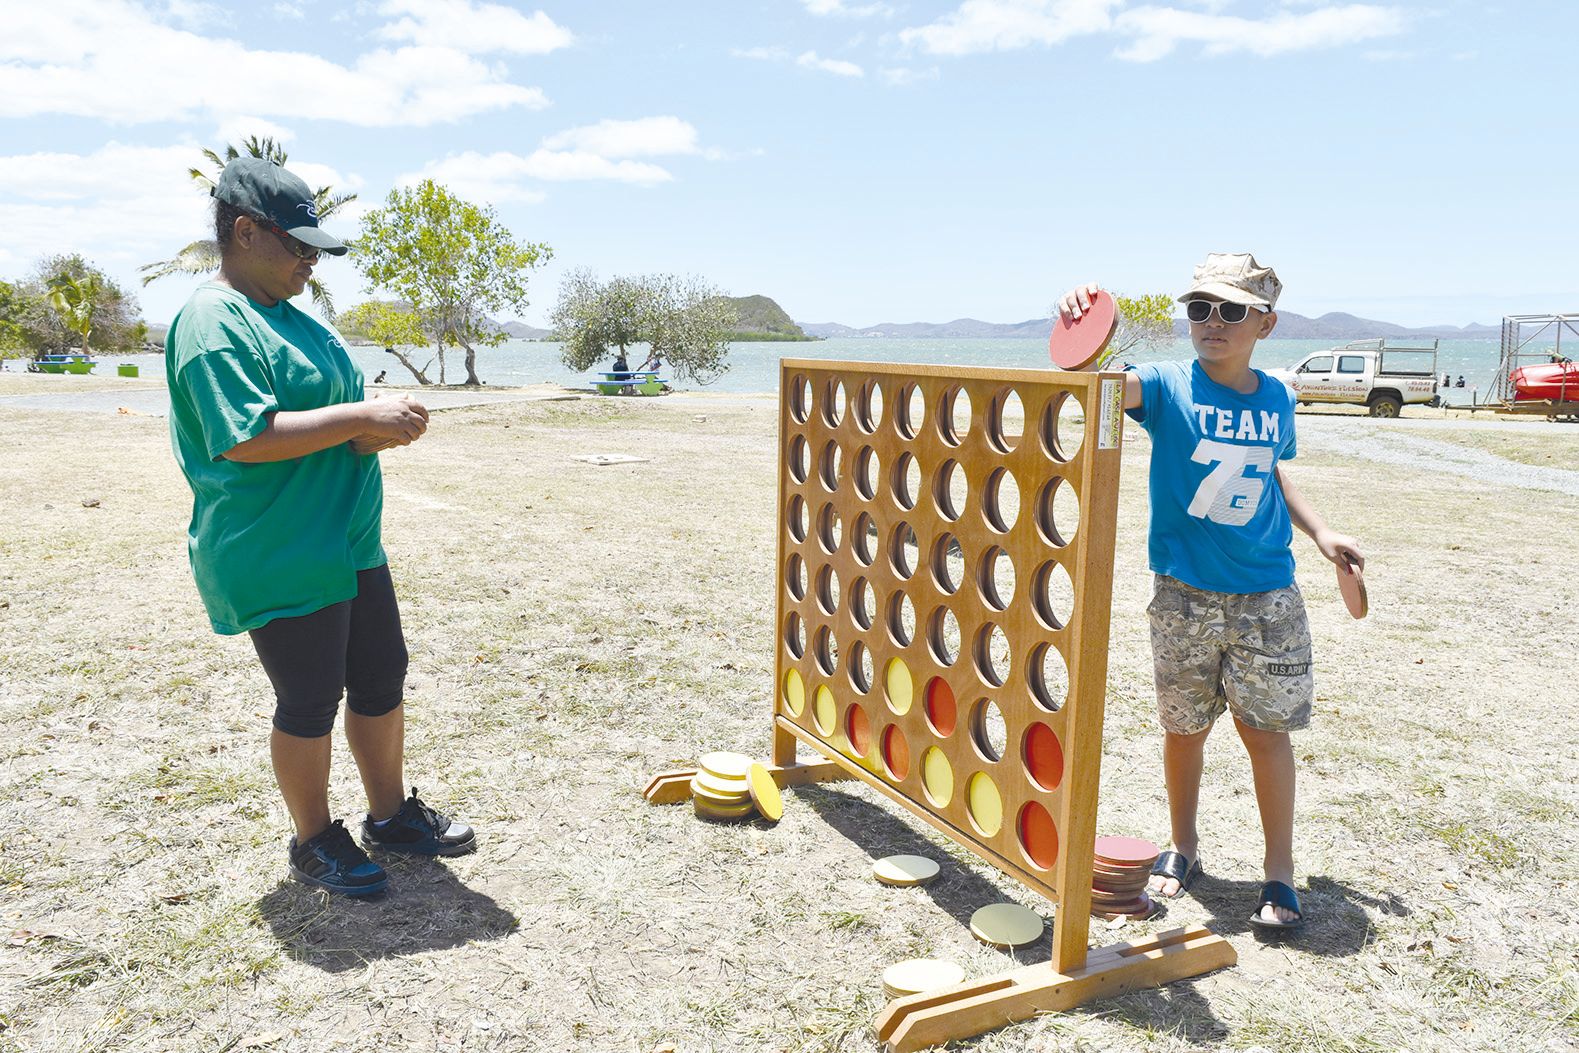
1340, 548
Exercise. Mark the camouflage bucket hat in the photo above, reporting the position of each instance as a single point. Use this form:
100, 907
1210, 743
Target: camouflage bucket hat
1237, 278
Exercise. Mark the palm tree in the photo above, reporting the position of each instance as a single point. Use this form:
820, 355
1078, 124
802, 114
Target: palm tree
78, 298
201, 257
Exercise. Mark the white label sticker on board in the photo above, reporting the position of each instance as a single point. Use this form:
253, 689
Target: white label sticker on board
1112, 426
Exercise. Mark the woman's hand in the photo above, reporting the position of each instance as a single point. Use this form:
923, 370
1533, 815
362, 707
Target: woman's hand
1077, 301
401, 419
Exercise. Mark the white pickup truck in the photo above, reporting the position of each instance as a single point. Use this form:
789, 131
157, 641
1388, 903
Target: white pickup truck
1384, 376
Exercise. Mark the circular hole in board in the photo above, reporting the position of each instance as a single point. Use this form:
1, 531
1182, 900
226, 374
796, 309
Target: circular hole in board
954, 415
863, 603
799, 458
830, 529
950, 490
902, 550
869, 406
1063, 426
906, 481
860, 666
910, 411
1006, 421
1001, 502
831, 466
1038, 835
1057, 512
867, 473
795, 635
1054, 595
799, 398
798, 521
1043, 755
901, 619
996, 579
948, 563
828, 590
826, 650
863, 539
991, 654
943, 636
1049, 677
795, 576
896, 753
988, 731
941, 710
833, 405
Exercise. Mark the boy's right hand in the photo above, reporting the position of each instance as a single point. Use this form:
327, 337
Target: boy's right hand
1077, 301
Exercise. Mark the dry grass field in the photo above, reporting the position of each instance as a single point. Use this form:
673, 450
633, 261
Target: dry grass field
575, 629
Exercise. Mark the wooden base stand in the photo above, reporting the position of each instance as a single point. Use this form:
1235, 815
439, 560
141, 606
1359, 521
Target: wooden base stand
673, 787
936, 1017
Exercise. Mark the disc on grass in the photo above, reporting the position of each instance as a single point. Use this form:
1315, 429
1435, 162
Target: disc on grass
726, 765
718, 800
905, 871
920, 974
1006, 925
717, 784
715, 811
765, 793
1125, 851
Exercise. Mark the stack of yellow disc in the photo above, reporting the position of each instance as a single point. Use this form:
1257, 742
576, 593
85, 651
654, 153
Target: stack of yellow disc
720, 789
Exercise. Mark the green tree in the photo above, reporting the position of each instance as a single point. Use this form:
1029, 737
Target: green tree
202, 256
78, 299
67, 301
452, 261
683, 319
1145, 324
389, 324
14, 340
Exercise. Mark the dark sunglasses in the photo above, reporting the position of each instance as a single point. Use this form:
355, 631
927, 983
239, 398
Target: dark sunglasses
299, 249
1232, 313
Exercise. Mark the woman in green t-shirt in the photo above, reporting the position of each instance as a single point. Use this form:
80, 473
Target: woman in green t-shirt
271, 429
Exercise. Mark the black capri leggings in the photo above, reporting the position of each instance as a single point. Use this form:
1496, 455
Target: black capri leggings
354, 646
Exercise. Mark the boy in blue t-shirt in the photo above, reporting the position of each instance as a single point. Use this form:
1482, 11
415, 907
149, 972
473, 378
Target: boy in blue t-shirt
1228, 626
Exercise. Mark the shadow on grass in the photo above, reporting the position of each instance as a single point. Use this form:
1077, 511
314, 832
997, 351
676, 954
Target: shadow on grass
425, 909
879, 832
1336, 922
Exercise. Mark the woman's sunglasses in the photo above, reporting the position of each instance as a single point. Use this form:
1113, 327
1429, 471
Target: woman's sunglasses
301, 250
1232, 313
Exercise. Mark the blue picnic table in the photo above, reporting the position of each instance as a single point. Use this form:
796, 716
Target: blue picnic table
634, 380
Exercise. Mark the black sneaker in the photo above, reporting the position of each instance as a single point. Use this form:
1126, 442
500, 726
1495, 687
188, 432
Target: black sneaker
419, 830
333, 861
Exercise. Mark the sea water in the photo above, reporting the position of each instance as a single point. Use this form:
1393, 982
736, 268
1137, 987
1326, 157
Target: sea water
754, 367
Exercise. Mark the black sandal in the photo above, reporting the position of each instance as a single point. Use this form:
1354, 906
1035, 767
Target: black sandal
1174, 865
1277, 894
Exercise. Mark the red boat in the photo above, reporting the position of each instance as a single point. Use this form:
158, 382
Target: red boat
1558, 382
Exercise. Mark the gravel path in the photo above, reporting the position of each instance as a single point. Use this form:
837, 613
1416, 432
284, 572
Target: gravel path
1392, 444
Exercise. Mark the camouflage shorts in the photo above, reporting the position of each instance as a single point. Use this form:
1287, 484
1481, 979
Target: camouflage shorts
1249, 652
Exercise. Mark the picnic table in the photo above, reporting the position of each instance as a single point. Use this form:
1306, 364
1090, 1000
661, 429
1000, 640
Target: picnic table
635, 380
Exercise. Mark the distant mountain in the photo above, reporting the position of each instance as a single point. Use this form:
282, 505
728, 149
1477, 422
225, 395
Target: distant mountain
522, 331
1290, 326
761, 318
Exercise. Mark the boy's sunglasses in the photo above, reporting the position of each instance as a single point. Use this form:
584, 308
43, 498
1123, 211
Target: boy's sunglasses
1232, 313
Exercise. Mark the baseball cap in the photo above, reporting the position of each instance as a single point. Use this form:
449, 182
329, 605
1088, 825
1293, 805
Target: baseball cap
1237, 278
260, 187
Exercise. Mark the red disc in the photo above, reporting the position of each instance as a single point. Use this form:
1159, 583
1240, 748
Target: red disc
896, 752
941, 711
1038, 835
1123, 851
1077, 343
1352, 585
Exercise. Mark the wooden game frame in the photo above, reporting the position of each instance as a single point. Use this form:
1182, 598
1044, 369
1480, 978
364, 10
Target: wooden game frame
871, 458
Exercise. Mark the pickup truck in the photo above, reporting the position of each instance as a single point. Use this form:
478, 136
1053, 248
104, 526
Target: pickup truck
1384, 376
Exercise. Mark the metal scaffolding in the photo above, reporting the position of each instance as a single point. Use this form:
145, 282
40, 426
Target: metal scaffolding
1519, 331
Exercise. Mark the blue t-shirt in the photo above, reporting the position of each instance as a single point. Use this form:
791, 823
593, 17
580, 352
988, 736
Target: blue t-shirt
1218, 518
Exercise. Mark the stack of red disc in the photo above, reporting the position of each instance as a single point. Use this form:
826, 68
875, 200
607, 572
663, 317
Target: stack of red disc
1119, 872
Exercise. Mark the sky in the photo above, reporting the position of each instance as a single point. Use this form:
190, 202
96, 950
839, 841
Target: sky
860, 161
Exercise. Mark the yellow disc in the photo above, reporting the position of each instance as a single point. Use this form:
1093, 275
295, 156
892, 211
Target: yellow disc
824, 713
900, 690
984, 803
920, 974
937, 777
765, 793
726, 765
722, 800
905, 870
1006, 925
794, 692
713, 811
719, 787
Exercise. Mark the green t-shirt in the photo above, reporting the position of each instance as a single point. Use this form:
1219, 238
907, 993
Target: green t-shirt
280, 539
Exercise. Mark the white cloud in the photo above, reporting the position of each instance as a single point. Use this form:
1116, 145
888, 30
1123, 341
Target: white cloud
234, 130
475, 28
647, 137
904, 76
838, 67
502, 176
761, 54
1002, 25
1159, 30
292, 11
844, 10
112, 60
